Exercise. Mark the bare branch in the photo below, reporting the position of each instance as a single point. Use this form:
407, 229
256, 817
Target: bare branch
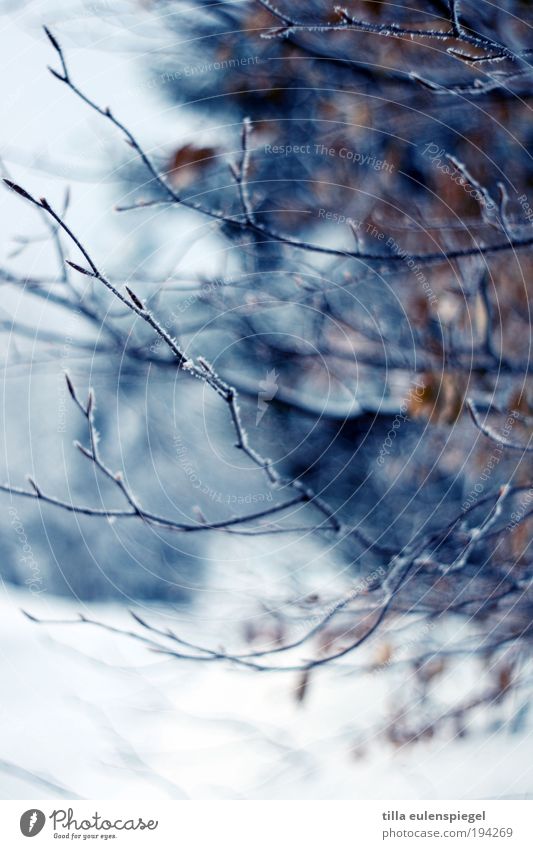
256, 229
492, 434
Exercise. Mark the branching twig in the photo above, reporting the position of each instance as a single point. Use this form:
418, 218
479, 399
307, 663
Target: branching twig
492, 434
347, 22
201, 370
478, 533
136, 510
247, 223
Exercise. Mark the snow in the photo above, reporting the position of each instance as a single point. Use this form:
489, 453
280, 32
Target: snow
102, 717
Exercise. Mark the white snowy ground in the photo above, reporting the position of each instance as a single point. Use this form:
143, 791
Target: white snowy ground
86, 713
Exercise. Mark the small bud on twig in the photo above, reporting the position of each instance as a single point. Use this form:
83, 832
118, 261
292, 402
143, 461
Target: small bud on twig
247, 128
70, 386
29, 615
57, 75
199, 515
85, 451
235, 173
19, 190
34, 486
138, 303
79, 268
90, 402
276, 32
66, 201
206, 366
52, 39
137, 618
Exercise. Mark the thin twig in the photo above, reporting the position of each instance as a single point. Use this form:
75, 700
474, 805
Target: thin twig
492, 434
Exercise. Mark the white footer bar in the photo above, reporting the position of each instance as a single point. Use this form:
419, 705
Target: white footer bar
267, 824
